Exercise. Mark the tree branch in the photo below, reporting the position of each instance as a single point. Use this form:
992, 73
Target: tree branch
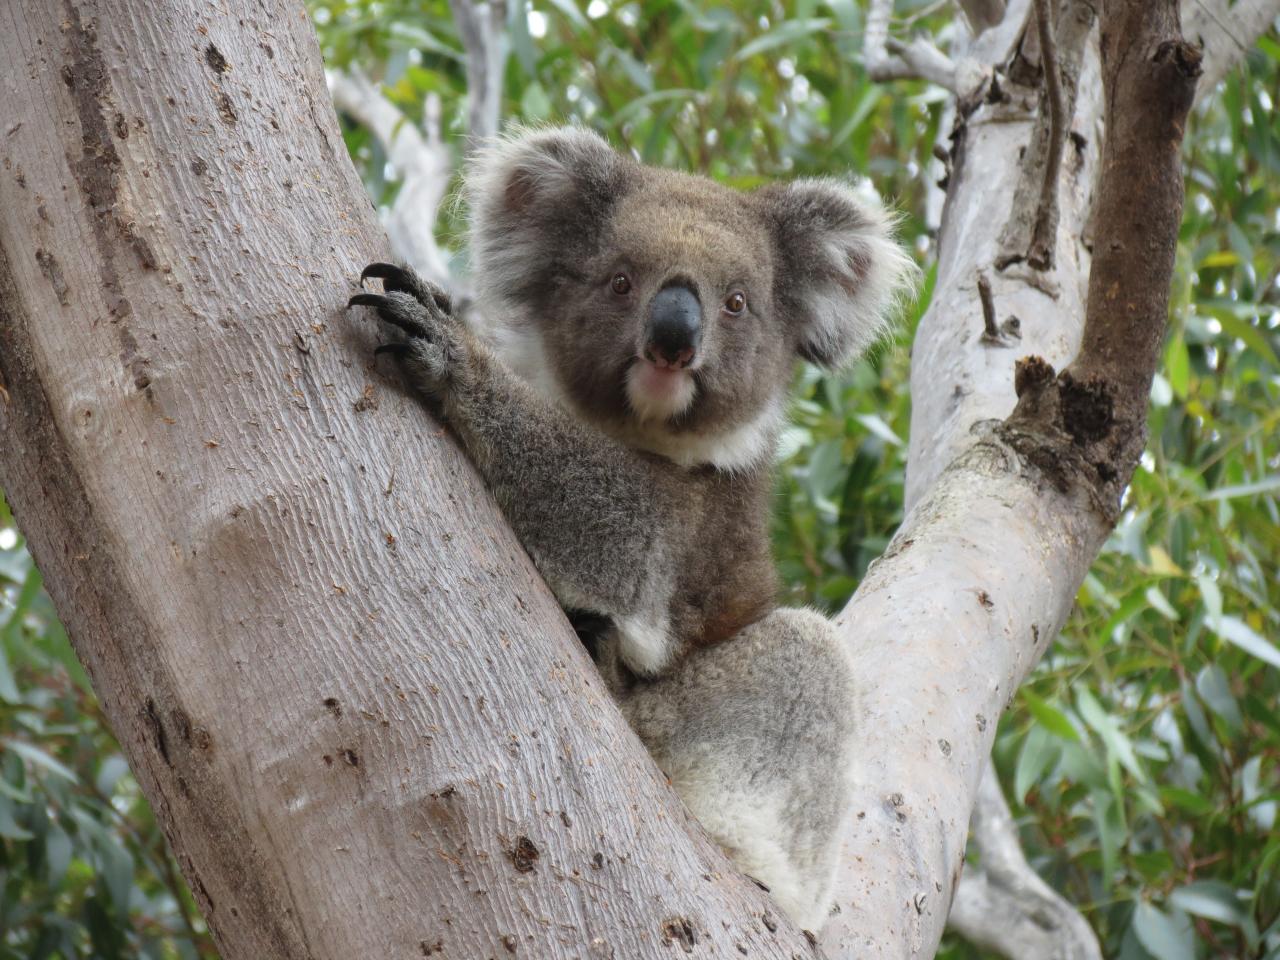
482, 28
420, 157
1226, 33
1099, 403
1032, 233
888, 59
1015, 520
1044, 235
982, 14
1003, 905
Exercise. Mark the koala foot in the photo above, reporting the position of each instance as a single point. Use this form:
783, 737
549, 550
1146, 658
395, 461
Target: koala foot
424, 312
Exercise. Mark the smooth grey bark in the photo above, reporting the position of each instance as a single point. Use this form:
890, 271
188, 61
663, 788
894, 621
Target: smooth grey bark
359, 715
1007, 515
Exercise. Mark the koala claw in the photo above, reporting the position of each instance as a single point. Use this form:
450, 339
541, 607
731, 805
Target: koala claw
397, 310
404, 280
397, 350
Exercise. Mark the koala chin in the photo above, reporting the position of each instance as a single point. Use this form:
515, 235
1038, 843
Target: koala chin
622, 398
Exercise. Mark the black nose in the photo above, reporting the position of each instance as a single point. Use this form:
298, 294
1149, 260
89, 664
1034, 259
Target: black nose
674, 330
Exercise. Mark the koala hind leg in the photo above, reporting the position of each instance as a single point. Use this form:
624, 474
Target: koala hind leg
756, 736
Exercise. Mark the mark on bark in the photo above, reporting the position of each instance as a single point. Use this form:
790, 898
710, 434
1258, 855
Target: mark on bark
770, 924
509, 943
151, 716
368, 400
1088, 412
945, 746
52, 271
183, 724
896, 804
524, 855
333, 706
982, 722
350, 758
227, 110
680, 930
214, 58
431, 949
97, 174
984, 598
199, 167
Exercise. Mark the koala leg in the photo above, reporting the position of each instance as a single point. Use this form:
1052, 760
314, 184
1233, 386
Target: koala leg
569, 491
756, 735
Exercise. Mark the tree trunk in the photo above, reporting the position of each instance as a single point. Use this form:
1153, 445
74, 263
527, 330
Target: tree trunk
358, 713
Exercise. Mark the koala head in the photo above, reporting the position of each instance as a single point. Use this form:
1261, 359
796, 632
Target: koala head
664, 307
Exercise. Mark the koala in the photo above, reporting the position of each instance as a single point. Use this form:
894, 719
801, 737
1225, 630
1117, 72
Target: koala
622, 401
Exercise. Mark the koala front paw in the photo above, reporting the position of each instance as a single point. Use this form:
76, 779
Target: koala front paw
424, 312
404, 280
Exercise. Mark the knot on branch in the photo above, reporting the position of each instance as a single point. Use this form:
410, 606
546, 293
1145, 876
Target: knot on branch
1088, 412
1069, 427
1185, 57
1031, 373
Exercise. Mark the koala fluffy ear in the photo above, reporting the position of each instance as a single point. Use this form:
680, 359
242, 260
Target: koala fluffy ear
843, 271
537, 196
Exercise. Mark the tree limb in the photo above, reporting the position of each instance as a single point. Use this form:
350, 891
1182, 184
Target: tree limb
888, 59
1044, 235
420, 157
982, 14
1227, 33
1016, 520
1003, 905
482, 28
1032, 233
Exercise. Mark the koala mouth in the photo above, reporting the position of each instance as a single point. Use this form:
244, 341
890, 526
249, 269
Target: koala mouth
659, 392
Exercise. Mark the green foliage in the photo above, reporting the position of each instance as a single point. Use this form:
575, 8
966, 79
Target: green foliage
1143, 757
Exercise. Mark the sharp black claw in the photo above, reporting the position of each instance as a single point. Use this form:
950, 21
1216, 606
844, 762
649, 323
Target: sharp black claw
383, 271
397, 350
367, 300
388, 313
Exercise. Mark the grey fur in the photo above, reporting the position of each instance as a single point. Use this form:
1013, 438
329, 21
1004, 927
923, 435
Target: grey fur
648, 505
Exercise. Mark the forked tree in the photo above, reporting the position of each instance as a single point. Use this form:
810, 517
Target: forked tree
359, 715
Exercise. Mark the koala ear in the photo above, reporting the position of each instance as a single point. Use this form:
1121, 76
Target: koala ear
537, 195
843, 271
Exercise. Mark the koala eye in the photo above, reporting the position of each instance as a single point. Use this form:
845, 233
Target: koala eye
735, 304
620, 284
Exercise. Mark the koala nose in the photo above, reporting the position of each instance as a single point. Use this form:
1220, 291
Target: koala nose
674, 331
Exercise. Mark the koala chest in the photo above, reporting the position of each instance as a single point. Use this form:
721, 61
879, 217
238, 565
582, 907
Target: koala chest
728, 579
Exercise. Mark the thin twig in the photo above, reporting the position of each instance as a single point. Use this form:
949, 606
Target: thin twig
886, 58
1040, 255
988, 306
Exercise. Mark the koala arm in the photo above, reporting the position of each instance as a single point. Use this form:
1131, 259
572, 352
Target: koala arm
564, 487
